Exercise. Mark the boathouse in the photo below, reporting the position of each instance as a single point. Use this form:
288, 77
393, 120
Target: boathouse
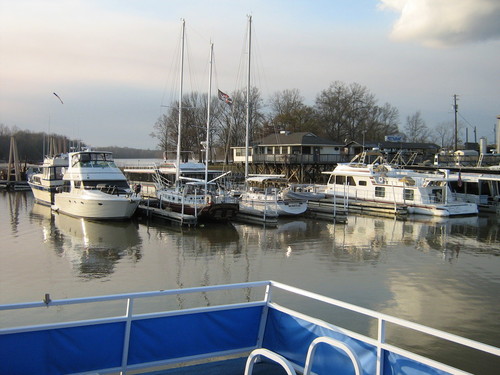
301, 156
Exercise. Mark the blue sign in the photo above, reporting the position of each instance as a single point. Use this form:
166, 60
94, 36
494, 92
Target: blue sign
393, 138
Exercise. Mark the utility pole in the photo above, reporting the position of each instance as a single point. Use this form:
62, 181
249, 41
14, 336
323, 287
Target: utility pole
455, 107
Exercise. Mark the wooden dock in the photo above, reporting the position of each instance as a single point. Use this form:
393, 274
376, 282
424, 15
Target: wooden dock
15, 185
150, 208
326, 211
358, 206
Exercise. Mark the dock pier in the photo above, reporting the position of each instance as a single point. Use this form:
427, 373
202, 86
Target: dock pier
151, 208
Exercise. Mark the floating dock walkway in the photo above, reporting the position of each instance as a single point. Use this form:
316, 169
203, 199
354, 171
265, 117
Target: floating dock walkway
150, 208
326, 210
330, 204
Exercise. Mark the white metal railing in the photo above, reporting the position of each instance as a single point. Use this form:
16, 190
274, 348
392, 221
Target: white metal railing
267, 301
380, 343
129, 314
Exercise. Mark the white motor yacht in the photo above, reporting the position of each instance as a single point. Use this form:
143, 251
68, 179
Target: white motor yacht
97, 188
45, 184
422, 193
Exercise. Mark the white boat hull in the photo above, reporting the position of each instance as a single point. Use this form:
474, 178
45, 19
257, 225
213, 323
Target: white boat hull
445, 210
268, 203
44, 194
96, 205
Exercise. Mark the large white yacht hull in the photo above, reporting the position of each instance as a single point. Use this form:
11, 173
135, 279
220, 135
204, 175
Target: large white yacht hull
96, 205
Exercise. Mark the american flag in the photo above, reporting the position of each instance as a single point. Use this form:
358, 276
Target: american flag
225, 97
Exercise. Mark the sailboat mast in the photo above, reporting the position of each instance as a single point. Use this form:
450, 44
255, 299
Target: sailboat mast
208, 113
248, 95
178, 169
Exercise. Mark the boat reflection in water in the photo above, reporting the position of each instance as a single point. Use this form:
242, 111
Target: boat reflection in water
92, 247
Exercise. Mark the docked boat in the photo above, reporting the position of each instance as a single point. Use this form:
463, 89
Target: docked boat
96, 188
482, 189
267, 193
207, 201
377, 181
45, 183
224, 337
203, 198
262, 196
308, 192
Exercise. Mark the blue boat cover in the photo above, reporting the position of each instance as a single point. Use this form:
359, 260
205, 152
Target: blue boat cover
99, 346
62, 351
291, 336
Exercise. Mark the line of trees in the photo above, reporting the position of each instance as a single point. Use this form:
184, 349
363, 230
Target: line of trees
30, 145
31, 149
342, 112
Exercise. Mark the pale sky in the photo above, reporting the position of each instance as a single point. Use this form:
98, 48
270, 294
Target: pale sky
113, 62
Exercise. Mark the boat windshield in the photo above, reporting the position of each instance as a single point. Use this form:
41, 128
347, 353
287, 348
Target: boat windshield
93, 159
119, 186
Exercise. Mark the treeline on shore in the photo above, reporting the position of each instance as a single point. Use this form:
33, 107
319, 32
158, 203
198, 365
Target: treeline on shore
32, 147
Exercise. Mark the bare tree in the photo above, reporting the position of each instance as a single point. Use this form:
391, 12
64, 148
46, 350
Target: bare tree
349, 112
416, 129
444, 133
166, 128
288, 112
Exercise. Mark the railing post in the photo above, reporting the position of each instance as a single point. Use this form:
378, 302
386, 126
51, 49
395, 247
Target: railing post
263, 317
126, 336
380, 351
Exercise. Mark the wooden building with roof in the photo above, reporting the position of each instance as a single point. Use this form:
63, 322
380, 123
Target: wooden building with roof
300, 156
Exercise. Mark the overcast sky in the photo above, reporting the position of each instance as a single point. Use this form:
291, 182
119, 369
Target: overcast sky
113, 62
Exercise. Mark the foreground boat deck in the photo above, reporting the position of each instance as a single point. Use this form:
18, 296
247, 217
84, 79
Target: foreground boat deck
145, 333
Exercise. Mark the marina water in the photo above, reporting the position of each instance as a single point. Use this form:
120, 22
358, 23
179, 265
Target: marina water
443, 273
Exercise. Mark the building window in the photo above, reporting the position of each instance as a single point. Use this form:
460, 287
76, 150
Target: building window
379, 191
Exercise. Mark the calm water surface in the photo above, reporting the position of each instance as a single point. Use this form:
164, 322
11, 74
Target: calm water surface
441, 273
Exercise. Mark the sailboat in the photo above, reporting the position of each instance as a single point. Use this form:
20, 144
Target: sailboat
204, 199
263, 196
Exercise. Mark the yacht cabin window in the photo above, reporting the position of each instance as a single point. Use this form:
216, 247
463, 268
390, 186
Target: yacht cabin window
362, 183
380, 191
344, 180
408, 194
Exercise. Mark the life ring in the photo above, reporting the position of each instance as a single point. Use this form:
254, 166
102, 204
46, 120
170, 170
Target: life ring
380, 180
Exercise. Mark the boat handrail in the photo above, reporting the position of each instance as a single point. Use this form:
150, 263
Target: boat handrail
336, 344
275, 357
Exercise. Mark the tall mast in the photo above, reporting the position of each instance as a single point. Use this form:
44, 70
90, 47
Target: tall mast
178, 169
208, 113
248, 95
455, 108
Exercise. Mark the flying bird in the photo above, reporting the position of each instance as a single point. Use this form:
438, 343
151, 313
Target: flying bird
57, 96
